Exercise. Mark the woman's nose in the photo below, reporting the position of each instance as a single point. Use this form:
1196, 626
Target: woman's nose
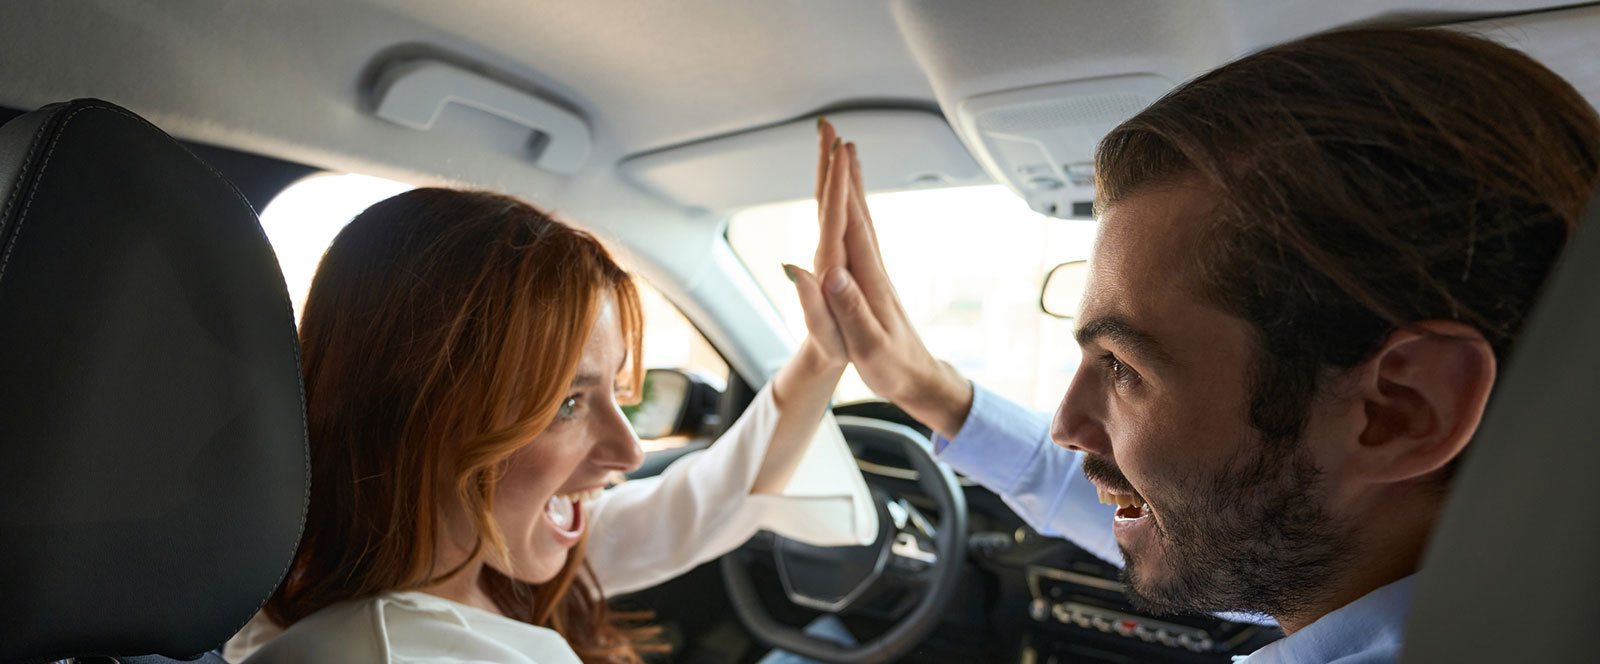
617, 447
1076, 427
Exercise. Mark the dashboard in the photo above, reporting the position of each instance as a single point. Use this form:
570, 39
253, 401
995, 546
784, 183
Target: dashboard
1043, 599
1021, 597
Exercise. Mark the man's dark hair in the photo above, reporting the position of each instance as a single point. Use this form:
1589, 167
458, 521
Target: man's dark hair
1365, 180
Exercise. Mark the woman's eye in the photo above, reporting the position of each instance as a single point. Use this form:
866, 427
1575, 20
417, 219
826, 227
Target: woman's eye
568, 407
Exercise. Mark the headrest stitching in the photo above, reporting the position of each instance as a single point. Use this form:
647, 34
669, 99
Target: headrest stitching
34, 149
22, 218
305, 433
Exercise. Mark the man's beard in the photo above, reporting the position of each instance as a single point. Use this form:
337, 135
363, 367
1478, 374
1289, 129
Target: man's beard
1252, 538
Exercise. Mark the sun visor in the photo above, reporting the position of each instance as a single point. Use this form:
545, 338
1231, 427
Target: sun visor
900, 149
1041, 140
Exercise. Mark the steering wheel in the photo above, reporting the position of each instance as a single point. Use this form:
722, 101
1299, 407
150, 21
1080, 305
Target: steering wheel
908, 551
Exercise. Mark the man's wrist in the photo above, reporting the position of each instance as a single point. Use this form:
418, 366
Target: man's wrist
942, 400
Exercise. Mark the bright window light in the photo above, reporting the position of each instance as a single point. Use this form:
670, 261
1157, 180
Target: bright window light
968, 263
302, 221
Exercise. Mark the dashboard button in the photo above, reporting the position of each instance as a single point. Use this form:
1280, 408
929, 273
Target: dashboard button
1039, 609
1061, 613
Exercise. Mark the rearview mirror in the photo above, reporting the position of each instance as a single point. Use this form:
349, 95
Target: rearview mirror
1063, 289
672, 402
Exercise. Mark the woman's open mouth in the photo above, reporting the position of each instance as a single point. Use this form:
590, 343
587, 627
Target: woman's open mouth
564, 512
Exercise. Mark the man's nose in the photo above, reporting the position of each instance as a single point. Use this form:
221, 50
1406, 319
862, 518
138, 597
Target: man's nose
616, 447
1077, 425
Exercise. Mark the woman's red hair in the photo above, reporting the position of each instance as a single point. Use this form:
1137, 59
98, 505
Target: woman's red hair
436, 317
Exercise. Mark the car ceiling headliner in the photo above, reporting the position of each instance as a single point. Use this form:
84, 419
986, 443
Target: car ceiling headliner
286, 77
266, 75
291, 78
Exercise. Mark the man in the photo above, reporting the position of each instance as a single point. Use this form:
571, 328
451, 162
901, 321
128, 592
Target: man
1311, 264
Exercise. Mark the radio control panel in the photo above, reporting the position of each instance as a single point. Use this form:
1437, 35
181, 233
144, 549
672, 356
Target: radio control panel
1066, 604
1122, 624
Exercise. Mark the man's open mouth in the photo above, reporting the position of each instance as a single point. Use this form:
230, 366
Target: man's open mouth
1129, 507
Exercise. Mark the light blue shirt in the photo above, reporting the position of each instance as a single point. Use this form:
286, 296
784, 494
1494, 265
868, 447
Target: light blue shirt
1366, 631
1007, 448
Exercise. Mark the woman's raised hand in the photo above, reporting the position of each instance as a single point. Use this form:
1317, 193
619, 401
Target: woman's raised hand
866, 311
805, 384
834, 186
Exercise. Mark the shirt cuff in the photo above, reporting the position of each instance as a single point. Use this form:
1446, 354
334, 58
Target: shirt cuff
997, 441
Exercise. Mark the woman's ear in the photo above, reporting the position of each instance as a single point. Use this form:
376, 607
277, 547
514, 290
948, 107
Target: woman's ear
1424, 393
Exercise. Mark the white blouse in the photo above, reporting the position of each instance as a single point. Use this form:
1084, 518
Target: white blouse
641, 533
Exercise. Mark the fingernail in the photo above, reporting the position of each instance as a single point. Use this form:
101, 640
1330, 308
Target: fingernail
835, 147
788, 271
836, 281
819, 123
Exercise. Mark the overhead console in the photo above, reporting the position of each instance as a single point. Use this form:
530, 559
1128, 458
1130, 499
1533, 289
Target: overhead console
1042, 139
1031, 86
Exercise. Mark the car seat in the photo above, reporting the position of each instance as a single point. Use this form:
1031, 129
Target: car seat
1512, 573
153, 462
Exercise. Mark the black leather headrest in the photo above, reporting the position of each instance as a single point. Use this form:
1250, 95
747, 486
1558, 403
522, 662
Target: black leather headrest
153, 466
1510, 573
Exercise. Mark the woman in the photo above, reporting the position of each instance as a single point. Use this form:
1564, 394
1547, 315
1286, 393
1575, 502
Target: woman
463, 355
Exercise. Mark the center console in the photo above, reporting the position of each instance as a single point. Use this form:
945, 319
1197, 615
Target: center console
1080, 616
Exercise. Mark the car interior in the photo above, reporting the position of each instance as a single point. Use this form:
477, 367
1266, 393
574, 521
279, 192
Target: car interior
152, 441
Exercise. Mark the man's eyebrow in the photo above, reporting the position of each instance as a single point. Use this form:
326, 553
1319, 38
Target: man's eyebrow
1124, 334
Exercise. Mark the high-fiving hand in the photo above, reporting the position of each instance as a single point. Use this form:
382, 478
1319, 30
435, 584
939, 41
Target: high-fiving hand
861, 305
832, 192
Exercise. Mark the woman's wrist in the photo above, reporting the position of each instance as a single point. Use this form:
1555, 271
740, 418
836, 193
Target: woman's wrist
811, 371
812, 357
801, 391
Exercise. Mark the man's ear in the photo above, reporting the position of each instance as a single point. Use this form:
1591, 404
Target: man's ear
1424, 393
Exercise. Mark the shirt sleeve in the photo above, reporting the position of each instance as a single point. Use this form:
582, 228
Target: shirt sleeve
255, 633
1007, 448
646, 531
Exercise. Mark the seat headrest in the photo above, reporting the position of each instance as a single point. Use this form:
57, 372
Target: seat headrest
1510, 573
153, 464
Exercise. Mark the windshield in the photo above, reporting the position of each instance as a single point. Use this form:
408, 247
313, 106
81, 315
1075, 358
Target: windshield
968, 263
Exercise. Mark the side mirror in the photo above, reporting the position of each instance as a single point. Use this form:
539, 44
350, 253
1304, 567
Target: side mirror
672, 402
1063, 289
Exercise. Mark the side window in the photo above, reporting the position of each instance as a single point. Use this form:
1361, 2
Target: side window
672, 342
304, 218
974, 301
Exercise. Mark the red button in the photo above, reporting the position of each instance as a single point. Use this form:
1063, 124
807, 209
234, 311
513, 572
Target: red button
1129, 625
